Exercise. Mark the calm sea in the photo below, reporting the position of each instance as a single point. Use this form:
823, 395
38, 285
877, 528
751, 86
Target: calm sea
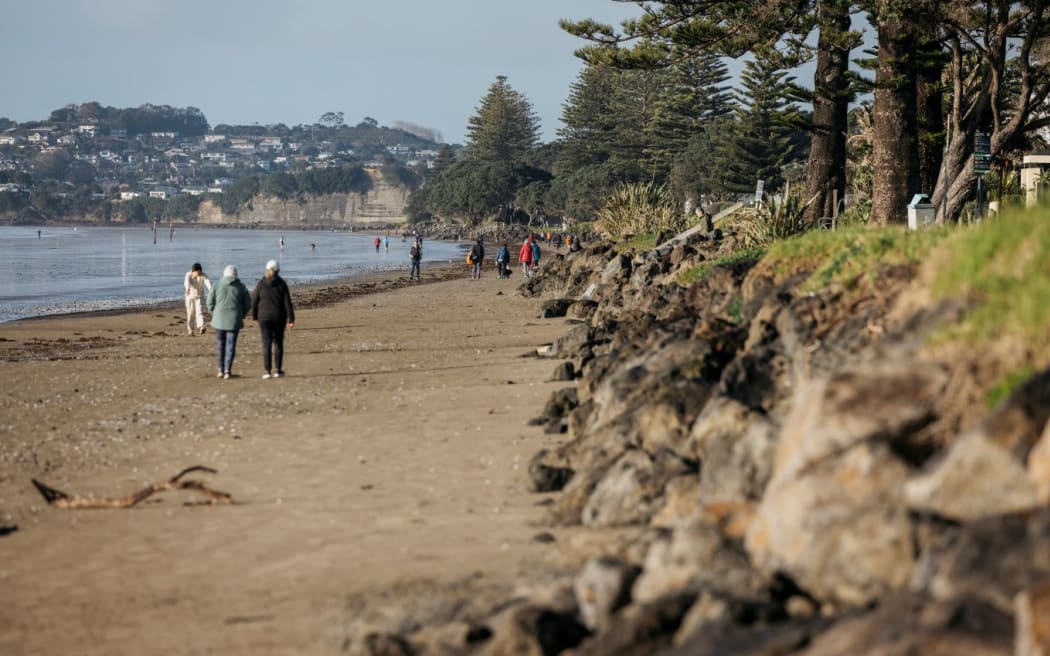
82, 269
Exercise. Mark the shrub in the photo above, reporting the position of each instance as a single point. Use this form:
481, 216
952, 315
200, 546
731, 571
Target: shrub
773, 220
638, 208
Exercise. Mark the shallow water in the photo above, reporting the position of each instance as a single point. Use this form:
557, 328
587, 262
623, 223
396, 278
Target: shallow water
79, 269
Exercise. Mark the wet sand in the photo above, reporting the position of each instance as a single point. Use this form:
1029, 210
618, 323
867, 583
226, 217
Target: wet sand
394, 451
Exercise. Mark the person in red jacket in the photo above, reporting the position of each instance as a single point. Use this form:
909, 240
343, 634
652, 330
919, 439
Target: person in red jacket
525, 256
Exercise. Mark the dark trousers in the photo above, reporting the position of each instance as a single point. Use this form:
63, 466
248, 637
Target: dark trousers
414, 271
272, 339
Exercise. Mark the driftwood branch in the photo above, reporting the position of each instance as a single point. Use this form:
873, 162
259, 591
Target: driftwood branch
60, 499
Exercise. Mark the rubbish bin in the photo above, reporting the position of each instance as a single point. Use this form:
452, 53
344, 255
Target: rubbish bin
920, 212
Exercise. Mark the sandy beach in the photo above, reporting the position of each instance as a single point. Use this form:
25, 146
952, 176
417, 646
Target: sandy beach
393, 454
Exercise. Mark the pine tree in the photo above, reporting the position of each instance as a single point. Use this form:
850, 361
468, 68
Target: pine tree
760, 143
694, 95
587, 117
603, 139
505, 128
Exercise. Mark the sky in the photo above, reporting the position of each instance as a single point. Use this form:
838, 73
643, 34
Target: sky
427, 62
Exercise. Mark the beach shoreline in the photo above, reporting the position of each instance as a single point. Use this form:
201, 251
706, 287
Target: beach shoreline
394, 453
367, 282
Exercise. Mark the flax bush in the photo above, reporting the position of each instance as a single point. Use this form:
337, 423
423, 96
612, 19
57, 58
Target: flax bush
638, 208
773, 220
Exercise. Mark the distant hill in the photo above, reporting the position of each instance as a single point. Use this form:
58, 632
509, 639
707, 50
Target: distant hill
191, 122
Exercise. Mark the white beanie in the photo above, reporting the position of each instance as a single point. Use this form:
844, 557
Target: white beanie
230, 271
273, 266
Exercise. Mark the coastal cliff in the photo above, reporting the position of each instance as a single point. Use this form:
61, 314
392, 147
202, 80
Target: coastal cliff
837, 445
384, 204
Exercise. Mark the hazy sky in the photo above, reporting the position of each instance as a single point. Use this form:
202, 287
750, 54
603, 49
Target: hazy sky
264, 61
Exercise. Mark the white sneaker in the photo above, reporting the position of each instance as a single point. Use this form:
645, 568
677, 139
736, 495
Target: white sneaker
279, 374
265, 376
226, 375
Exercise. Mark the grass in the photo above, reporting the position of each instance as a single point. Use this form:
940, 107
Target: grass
851, 257
645, 241
1000, 268
698, 273
1011, 381
1003, 267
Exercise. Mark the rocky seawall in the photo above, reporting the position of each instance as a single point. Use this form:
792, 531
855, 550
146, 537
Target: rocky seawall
760, 467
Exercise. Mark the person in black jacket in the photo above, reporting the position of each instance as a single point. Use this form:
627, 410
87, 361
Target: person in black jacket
477, 254
272, 308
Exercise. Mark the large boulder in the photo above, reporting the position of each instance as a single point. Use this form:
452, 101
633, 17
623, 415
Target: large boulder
601, 588
977, 478
691, 558
735, 446
631, 491
832, 515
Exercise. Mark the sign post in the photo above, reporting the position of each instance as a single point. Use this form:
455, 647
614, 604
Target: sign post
982, 161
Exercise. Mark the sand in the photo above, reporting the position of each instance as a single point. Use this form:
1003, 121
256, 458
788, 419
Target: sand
394, 451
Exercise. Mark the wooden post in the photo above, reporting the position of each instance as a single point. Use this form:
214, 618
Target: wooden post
834, 208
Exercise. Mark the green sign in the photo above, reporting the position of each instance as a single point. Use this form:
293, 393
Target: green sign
981, 163
982, 153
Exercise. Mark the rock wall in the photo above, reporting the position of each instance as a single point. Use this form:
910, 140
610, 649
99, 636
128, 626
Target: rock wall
384, 204
786, 471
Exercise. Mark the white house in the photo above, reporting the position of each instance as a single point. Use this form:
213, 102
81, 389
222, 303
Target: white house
1034, 170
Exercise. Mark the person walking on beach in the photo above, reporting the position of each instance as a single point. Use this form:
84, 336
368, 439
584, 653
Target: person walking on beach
281, 243
228, 302
415, 254
195, 289
503, 261
477, 254
525, 256
535, 255
378, 242
272, 308
386, 243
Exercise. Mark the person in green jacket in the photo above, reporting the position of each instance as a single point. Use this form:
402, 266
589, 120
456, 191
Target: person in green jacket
228, 302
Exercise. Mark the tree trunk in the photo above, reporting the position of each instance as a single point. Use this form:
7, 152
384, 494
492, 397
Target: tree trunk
930, 111
826, 169
895, 154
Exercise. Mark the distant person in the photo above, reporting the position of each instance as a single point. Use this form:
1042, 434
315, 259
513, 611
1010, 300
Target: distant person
386, 243
415, 254
574, 243
228, 302
503, 261
313, 247
281, 243
535, 255
477, 255
272, 308
705, 216
38, 234
525, 256
195, 286
378, 242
